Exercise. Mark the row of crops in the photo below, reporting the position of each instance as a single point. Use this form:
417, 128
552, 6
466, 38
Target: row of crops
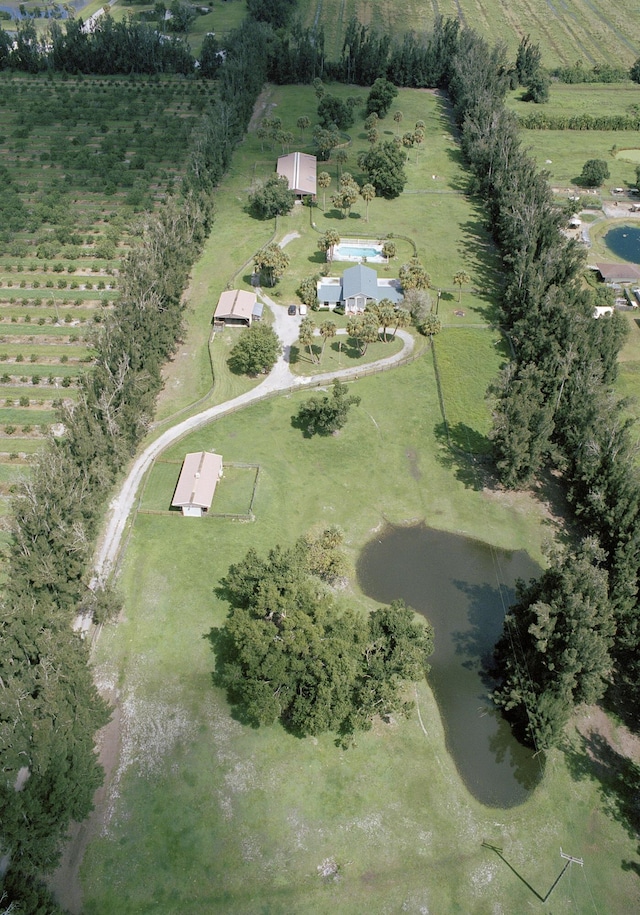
82, 160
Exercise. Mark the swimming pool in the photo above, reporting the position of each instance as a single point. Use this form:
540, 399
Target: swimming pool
355, 250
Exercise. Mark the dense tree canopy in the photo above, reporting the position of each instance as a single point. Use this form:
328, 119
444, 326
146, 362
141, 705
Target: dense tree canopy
288, 652
594, 173
274, 198
555, 649
256, 351
326, 414
383, 165
380, 97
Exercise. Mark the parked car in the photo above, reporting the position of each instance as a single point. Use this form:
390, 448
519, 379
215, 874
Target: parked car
302, 309
292, 310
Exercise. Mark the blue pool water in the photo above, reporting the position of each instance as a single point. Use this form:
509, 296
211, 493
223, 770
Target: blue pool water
356, 251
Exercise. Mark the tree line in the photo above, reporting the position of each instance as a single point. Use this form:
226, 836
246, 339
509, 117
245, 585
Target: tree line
554, 408
49, 706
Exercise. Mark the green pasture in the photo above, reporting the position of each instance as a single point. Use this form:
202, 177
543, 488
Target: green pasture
26, 415
469, 359
232, 495
597, 32
562, 153
596, 99
208, 815
14, 444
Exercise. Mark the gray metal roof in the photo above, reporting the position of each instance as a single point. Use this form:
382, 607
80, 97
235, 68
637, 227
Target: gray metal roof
360, 280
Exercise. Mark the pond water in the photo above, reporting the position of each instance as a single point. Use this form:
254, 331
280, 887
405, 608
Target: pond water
463, 587
624, 241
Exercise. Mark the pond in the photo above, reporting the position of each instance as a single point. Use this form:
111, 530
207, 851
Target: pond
624, 241
463, 587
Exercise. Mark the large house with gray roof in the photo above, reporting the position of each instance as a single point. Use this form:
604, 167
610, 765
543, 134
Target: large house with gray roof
358, 287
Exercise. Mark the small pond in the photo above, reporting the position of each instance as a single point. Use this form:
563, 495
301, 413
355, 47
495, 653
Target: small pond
463, 587
624, 241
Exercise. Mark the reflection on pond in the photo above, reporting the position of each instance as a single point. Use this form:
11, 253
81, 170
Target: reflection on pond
463, 587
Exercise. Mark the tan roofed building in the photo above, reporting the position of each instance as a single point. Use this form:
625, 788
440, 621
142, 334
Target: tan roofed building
300, 171
199, 476
237, 307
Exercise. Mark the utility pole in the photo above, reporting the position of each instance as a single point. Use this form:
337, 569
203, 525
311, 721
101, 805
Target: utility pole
570, 860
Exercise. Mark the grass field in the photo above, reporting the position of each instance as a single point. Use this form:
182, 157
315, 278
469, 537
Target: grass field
593, 31
207, 815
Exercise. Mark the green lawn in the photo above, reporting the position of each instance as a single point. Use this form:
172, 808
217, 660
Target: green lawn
469, 359
563, 153
207, 815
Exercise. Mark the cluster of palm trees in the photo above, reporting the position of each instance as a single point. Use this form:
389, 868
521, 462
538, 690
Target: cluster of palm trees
369, 327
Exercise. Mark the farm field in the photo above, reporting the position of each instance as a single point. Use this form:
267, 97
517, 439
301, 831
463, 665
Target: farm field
205, 814
82, 159
595, 32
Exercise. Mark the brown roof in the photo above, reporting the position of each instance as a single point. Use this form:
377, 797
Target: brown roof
300, 171
198, 478
235, 303
619, 273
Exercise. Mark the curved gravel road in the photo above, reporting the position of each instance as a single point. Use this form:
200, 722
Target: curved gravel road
280, 378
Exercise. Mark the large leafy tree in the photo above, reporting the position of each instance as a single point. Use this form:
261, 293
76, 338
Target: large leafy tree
554, 652
383, 165
274, 198
380, 97
256, 351
594, 173
289, 653
327, 414
332, 110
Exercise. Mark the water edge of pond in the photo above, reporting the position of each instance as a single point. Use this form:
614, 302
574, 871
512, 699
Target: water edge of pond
463, 587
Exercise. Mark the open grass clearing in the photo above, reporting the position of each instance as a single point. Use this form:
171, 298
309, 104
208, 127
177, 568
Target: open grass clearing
562, 153
469, 359
595, 99
207, 815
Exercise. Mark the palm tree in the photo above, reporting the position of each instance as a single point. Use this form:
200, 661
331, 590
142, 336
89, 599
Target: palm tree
327, 332
397, 117
367, 193
389, 250
303, 123
402, 319
386, 314
305, 335
342, 158
328, 241
324, 180
461, 279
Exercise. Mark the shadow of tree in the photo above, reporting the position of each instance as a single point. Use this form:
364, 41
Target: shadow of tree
592, 757
473, 470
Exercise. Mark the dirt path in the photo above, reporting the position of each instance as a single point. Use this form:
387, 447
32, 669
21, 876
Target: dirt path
65, 883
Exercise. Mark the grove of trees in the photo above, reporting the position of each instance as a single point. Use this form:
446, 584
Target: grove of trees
289, 652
